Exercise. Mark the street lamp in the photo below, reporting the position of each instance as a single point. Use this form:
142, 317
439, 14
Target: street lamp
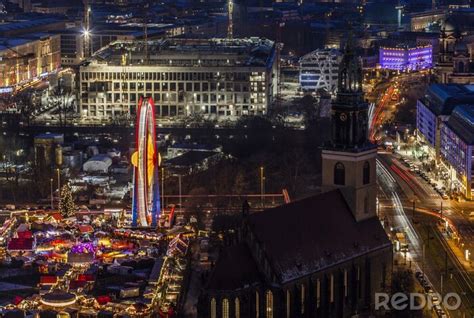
58, 171
52, 196
262, 186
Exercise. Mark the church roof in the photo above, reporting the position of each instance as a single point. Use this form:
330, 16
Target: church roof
313, 234
234, 269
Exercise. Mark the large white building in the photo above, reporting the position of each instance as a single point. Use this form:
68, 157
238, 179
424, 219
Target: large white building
319, 70
215, 78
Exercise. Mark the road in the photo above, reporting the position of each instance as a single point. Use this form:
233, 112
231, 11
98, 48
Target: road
429, 251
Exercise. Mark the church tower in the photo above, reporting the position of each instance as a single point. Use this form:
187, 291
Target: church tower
348, 161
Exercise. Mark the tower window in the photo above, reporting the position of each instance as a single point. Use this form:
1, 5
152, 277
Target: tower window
339, 174
366, 173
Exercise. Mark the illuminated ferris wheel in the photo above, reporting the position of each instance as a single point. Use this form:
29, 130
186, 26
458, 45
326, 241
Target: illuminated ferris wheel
145, 160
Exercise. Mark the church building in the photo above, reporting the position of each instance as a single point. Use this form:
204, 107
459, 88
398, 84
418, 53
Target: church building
454, 60
322, 256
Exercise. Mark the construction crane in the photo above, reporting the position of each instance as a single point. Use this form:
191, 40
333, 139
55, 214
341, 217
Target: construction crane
86, 28
230, 12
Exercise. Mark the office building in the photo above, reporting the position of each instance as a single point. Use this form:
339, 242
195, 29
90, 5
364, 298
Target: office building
27, 57
435, 108
319, 69
457, 142
216, 78
406, 58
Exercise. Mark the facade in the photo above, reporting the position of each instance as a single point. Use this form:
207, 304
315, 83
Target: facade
215, 78
311, 270
406, 58
319, 69
27, 57
422, 21
436, 107
454, 61
457, 141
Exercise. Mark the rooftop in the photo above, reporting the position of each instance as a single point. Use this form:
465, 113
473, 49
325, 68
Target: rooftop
189, 52
227, 276
312, 234
462, 123
443, 98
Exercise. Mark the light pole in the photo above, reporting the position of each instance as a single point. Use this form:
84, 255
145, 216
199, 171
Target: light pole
163, 187
180, 196
59, 180
262, 187
52, 196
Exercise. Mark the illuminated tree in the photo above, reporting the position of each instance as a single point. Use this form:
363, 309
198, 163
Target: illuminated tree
67, 207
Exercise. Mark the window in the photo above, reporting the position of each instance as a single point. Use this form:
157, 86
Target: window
269, 304
331, 288
345, 282
318, 293
237, 308
366, 173
213, 308
288, 304
339, 174
257, 305
225, 308
302, 298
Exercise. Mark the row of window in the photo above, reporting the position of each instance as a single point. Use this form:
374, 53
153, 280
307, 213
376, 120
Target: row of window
173, 76
269, 304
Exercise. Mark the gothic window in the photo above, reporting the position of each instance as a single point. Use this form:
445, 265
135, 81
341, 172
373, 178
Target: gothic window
269, 304
288, 304
225, 308
461, 67
318, 293
366, 173
237, 307
257, 304
366, 204
339, 174
302, 298
213, 308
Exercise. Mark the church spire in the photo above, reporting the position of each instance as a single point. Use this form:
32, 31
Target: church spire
349, 110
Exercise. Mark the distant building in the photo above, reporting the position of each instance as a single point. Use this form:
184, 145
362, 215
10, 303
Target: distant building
98, 163
405, 58
23, 58
454, 59
457, 145
216, 78
46, 149
319, 69
436, 107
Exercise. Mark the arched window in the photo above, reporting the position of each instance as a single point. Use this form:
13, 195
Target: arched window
237, 307
257, 305
366, 173
302, 298
269, 304
213, 308
339, 174
225, 308
288, 304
